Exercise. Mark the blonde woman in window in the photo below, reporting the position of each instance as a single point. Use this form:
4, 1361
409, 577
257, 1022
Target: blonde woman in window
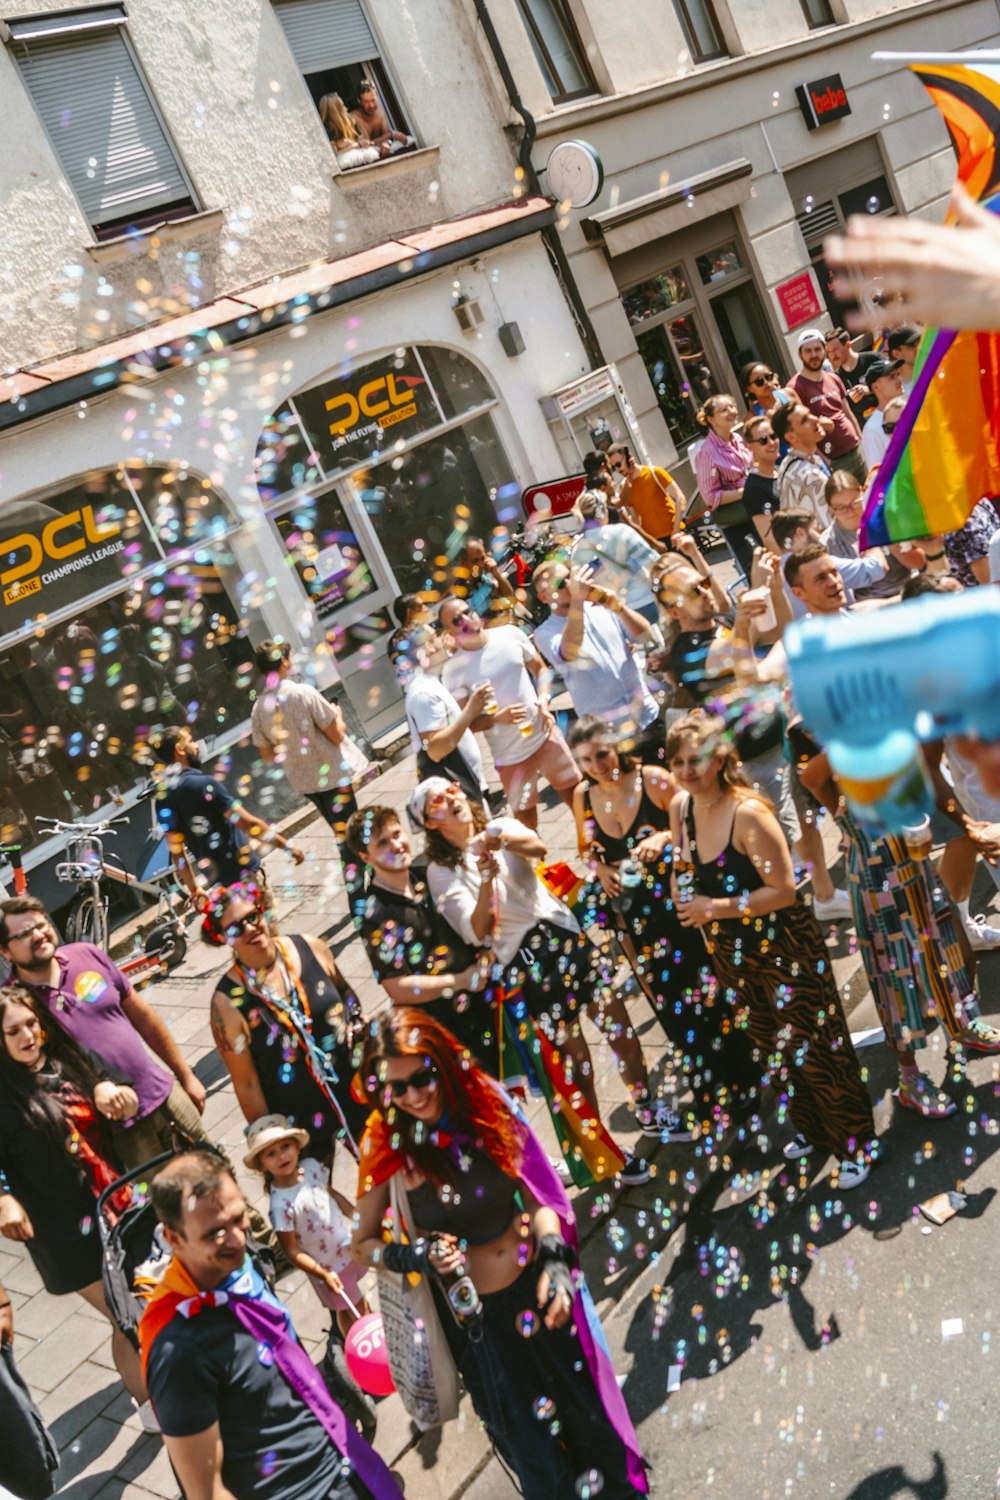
345, 138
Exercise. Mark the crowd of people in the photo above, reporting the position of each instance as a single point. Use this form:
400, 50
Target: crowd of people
649, 694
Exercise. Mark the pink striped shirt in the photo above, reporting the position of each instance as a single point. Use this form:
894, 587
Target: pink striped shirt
721, 466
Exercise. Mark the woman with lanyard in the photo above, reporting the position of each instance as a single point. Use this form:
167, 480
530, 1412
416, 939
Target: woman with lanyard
485, 885
488, 1219
622, 812
284, 1021
722, 464
733, 879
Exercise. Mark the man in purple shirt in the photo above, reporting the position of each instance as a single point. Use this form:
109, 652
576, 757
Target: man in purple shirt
93, 1001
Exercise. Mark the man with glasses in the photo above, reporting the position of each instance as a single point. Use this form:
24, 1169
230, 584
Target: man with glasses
823, 394
760, 492
847, 506
527, 745
92, 1000
652, 494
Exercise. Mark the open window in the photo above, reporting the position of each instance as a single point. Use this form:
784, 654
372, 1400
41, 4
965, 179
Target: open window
101, 119
337, 54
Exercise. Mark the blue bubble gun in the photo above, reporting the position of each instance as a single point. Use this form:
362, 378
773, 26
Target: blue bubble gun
870, 685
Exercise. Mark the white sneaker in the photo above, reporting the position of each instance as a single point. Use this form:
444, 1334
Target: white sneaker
662, 1123
796, 1148
981, 935
851, 1174
147, 1416
838, 908
561, 1166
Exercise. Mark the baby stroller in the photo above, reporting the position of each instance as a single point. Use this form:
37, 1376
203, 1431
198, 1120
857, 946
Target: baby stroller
134, 1257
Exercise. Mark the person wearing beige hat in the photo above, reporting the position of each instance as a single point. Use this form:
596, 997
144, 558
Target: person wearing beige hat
314, 1224
822, 394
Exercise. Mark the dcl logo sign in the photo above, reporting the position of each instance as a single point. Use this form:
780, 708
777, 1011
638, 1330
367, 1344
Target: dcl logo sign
381, 399
48, 545
823, 101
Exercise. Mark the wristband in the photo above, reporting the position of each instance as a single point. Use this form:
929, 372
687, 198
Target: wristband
552, 1247
558, 1260
407, 1259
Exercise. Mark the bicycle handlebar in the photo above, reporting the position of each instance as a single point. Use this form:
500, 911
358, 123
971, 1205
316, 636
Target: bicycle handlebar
57, 825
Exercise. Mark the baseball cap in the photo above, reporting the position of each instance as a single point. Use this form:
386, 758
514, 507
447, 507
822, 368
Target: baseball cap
434, 786
808, 335
907, 334
879, 368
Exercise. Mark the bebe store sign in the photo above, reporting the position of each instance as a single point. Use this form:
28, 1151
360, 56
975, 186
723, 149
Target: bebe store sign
823, 101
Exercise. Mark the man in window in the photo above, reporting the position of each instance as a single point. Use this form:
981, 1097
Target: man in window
370, 118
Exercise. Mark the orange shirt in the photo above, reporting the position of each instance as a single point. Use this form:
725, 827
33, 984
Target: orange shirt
654, 507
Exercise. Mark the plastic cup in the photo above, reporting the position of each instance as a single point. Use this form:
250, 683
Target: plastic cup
766, 620
918, 839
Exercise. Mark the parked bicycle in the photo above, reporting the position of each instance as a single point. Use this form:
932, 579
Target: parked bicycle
88, 867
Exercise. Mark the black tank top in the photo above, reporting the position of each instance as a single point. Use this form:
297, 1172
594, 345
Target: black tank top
285, 1078
477, 1209
730, 873
648, 819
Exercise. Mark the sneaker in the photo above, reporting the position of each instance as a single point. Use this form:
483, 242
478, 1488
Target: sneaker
980, 934
797, 1148
147, 1416
635, 1172
661, 1123
837, 909
851, 1174
561, 1166
928, 1101
980, 1036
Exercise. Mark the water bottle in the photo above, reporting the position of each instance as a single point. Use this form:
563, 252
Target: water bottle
885, 783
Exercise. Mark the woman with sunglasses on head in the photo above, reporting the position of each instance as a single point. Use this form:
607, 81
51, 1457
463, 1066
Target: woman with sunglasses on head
622, 812
733, 880
488, 1212
57, 1156
484, 883
284, 1020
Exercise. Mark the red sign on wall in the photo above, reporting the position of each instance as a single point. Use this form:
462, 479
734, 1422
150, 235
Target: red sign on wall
557, 496
798, 301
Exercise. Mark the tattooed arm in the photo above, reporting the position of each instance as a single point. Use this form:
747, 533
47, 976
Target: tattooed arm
231, 1035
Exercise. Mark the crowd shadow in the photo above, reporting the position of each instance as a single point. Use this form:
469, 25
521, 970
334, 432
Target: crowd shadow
740, 1258
895, 1480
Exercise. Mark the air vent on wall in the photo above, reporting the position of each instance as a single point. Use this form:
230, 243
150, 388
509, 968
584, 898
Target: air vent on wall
817, 220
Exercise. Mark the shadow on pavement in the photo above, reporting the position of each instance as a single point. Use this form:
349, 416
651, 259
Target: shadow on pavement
895, 1481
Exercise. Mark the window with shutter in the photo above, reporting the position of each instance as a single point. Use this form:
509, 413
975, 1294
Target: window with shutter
90, 94
336, 51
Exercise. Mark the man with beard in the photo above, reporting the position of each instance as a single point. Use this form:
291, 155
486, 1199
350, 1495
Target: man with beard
203, 820
94, 1002
822, 393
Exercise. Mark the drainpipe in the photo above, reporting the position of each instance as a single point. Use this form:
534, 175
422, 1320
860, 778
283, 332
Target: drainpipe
550, 234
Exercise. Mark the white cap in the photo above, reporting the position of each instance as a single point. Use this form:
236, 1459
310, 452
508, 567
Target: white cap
434, 786
808, 335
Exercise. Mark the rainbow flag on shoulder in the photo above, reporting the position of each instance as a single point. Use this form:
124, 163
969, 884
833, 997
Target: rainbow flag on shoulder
944, 454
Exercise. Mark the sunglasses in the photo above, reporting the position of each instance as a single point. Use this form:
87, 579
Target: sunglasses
249, 919
768, 437
421, 1079
28, 932
764, 379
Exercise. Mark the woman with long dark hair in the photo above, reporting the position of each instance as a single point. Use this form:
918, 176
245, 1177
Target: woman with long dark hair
733, 879
487, 1206
484, 882
622, 812
56, 1157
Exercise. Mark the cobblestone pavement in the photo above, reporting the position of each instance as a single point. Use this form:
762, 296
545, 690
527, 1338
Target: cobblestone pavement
62, 1346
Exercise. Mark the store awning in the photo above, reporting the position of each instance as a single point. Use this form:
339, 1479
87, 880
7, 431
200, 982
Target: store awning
86, 373
676, 206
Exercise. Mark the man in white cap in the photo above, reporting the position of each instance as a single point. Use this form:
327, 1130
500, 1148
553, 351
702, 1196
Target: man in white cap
823, 394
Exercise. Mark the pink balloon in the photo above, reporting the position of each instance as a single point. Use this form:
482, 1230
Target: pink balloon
367, 1356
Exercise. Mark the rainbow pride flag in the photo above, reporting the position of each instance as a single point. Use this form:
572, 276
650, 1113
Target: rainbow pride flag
944, 454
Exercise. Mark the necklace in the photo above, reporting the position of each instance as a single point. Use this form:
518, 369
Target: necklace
700, 806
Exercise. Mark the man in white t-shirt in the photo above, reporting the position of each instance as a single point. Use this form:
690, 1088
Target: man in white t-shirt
440, 732
587, 638
885, 383
522, 733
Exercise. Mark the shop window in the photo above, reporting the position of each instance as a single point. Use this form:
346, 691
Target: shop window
652, 297
678, 367
115, 620
337, 53
325, 552
101, 119
701, 29
424, 503
557, 46
718, 264
817, 13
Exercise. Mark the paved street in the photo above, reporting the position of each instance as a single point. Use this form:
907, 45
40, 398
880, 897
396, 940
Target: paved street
792, 1343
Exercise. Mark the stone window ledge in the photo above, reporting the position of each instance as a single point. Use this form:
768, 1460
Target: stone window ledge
391, 166
123, 245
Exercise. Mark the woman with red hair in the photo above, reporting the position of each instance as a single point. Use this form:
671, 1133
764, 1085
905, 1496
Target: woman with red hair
488, 1210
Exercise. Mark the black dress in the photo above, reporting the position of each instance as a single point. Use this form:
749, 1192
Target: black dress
695, 1012
286, 1079
779, 967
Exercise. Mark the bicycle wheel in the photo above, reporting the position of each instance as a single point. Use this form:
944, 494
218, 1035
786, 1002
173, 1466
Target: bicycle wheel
88, 921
